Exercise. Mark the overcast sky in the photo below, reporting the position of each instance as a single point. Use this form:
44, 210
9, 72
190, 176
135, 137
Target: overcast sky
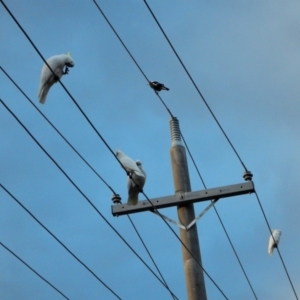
245, 58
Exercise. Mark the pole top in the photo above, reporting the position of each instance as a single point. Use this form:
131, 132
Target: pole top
175, 132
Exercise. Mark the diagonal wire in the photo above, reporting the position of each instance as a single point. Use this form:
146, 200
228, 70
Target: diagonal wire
91, 124
286, 271
88, 166
103, 140
66, 90
61, 243
181, 136
97, 174
221, 128
149, 253
81, 192
195, 85
127, 50
221, 222
21, 260
154, 208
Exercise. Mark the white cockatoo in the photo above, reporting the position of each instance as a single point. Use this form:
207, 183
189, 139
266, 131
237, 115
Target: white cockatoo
57, 64
136, 172
135, 185
273, 242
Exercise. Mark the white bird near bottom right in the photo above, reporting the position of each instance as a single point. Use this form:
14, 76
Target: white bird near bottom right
274, 240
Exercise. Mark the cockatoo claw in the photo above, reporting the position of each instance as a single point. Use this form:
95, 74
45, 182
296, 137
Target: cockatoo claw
66, 71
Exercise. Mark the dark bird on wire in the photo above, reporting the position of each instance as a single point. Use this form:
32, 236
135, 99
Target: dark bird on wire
157, 87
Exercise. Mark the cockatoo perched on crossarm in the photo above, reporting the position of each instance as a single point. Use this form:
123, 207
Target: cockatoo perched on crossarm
273, 242
135, 185
138, 176
57, 64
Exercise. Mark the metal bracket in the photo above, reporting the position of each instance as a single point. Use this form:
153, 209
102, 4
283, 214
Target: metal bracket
193, 222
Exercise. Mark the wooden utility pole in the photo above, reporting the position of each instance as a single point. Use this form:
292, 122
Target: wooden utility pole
194, 276
184, 199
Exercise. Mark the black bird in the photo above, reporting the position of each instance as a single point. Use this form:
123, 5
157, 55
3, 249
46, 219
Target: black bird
157, 86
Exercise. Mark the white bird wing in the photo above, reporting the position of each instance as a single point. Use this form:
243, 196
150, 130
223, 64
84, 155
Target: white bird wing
56, 63
274, 241
134, 186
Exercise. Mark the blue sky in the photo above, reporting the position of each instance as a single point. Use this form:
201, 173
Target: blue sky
244, 57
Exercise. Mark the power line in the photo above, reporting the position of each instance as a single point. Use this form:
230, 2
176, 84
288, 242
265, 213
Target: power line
286, 271
80, 191
222, 224
227, 138
102, 137
73, 148
60, 242
170, 113
149, 253
103, 140
221, 128
129, 53
200, 94
66, 90
88, 166
100, 10
27, 265
73, 99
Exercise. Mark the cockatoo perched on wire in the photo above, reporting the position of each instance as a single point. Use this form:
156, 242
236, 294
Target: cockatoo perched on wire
273, 242
136, 176
157, 87
57, 64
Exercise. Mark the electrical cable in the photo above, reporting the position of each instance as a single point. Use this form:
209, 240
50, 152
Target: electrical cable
100, 10
149, 254
73, 148
100, 177
103, 140
221, 222
27, 265
286, 271
66, 90
170, 113
227, 138
221, 128
60, 242
81, 192
200, 94
99, 133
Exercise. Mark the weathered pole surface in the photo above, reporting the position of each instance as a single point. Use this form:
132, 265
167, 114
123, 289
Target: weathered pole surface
193, 272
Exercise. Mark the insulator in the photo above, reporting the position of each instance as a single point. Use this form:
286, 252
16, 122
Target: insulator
116, 199
175, 130
248, 176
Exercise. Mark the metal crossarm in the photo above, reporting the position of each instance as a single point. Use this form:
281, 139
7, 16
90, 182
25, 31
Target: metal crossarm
185, 198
